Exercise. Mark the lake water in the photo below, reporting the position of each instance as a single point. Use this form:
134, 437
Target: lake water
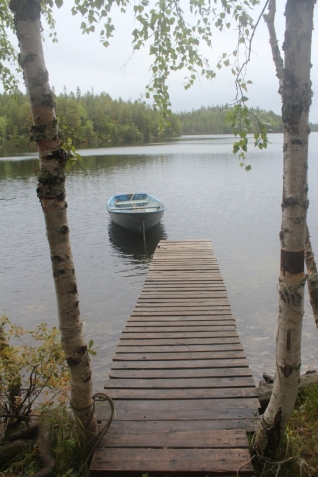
208, 196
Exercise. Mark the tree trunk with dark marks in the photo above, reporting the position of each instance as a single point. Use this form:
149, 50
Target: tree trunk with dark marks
51, 193
296, 94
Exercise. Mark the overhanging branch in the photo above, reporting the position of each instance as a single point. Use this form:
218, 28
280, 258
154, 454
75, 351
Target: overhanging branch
277, 57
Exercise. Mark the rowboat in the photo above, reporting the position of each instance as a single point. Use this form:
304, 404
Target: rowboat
138, 212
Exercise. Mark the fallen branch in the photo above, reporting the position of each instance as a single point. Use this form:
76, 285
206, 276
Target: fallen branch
28, 433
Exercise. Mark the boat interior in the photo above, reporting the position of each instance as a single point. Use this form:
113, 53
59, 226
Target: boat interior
135, 201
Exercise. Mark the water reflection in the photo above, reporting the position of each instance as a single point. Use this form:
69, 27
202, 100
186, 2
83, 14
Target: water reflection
207, 196
18, 169
132, 246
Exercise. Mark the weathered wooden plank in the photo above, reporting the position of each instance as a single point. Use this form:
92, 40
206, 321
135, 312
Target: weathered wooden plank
199, 276
183, 288
175, 373
178, 348
224, 320
188, 263
197, 295
169, 406
179, 383
188, 295
218, 310
209, 271
179, 329
180, 364
167, 394
177, 334
177, 434
172, 460
184, 341
202, 409
189, 304
213, 319
147, 426
177, 356
175, 269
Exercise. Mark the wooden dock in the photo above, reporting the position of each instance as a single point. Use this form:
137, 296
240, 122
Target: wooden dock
183, 392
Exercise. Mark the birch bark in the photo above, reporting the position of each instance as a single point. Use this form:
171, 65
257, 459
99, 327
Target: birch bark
51, 193
296, 96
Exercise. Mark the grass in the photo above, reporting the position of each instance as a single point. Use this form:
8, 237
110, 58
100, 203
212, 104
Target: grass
65, 448
298, 453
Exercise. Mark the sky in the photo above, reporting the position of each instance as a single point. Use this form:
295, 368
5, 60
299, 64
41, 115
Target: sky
81, 60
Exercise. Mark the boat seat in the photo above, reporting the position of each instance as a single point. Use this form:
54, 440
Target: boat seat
131, 203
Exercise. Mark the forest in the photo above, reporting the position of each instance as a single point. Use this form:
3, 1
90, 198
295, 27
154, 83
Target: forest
99, 119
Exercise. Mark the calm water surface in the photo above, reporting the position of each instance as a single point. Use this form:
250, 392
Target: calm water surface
207, 196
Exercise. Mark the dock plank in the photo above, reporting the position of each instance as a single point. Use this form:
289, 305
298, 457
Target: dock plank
183, 392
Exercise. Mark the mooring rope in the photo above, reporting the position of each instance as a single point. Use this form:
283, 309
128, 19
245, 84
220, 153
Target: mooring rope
144, 237
95, 439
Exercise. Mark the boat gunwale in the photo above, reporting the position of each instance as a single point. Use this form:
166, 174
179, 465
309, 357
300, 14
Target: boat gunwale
112, 208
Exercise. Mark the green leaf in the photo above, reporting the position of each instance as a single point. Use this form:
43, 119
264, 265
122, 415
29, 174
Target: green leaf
58, 3
90, 344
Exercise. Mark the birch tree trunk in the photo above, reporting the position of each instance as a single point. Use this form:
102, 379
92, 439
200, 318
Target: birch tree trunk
51, 193
296, 95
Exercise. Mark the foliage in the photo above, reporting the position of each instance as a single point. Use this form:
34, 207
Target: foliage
8, 55
213, 120
302, 430
84, 118
175, 36
174, 33
35, 382
65, 449
33, 372
91, 118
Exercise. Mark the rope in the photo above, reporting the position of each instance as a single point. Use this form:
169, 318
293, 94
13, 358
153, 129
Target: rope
144, 237
93, 442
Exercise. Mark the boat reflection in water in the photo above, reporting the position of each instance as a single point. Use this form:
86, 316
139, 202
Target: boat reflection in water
133, 246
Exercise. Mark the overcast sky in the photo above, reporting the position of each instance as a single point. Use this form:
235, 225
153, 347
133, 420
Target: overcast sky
81, 60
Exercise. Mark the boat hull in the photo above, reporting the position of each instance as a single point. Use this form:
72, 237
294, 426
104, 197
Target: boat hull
134, 222
135, 212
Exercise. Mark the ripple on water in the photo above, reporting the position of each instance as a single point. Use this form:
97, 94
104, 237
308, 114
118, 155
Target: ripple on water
207, 196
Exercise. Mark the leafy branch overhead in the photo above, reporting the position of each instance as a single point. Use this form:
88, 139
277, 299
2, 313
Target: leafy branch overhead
179, 37
8, 54
175, 35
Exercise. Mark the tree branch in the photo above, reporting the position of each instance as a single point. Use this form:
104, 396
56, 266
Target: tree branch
277, 57
312, 277
238, 87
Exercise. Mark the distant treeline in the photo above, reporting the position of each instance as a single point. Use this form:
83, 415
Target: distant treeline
92, 118
85, 118
211, 120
